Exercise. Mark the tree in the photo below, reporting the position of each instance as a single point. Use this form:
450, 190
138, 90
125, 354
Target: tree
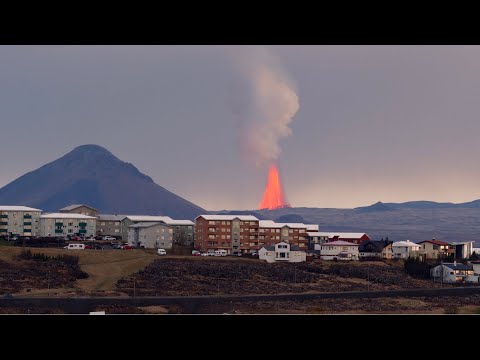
474, 256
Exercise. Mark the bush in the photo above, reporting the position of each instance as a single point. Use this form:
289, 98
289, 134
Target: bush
416, 268
71, 260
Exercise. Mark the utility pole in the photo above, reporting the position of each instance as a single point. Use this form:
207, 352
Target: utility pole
134, 287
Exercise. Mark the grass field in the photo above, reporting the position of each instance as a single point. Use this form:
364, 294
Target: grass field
104, 267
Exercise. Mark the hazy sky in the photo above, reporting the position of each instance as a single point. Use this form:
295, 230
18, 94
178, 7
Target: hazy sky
375, 123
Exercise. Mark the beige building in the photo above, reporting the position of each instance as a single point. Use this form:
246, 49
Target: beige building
80, 209
110, 225
150, 235
435, 249
65, 224
183, 230
19, 221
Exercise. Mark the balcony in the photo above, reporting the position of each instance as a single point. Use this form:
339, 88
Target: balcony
82, 224
27, 216
3, 223
82, 231
27, 224
4, 216
59, 224
58, 231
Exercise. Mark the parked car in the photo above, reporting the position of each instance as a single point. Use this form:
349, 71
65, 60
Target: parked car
109, 238
197, 254
205, 254
126, 247
88, 247
161, 252
116, 246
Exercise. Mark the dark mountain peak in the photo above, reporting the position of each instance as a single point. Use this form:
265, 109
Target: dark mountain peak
92, 175
378, 206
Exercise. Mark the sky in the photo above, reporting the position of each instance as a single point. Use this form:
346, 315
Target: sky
374, 123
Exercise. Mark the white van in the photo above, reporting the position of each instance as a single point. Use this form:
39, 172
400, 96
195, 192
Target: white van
75, 246
222, 252
161, 252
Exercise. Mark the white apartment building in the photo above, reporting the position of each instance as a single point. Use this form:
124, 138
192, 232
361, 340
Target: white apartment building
339, 250
150, 235
63, 224
19, 220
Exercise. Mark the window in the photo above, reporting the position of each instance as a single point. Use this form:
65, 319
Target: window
277, 231
103, 224
223, 236
163, 237
277, 237
170, 231
223, 222
211, 229
252, 223
70, 231
261, 230
228, 236
211, 236
211, 223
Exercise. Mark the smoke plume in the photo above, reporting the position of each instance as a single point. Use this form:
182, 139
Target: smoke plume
272, 104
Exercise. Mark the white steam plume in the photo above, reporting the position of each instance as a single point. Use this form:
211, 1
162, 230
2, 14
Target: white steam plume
272, 104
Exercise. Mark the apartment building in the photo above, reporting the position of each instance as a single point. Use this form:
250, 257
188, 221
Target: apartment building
233, 233
183, 233
150, 235
271, 233
19, 221
110, 225
63, 224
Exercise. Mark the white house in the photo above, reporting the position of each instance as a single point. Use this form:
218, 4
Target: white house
405, 249
454, 273
339, 250
476, 267
282, 252
19, 220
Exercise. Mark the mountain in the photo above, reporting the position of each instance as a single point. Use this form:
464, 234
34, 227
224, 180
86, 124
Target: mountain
290, 218
92, 175
379, 206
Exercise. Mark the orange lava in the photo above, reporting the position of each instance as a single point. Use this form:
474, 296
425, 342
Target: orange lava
273, 198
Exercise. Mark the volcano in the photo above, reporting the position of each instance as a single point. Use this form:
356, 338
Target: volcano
274, 196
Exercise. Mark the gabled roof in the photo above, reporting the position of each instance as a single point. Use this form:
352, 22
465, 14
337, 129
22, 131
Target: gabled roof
66, 216
458, 266
107, 217
228, 217
274, 225
73, 207
17, 208
269, 247
339, 243
435, 242
374, 245
406, 243
148, 218
143, 225
342, 235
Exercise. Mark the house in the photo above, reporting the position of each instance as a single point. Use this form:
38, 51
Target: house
271, 232
150, 235
63, 224
405, 249
339, 250
463, 250
380, 249
19, 220
80, 209
283, 252
453, 273
110, 225
234, 233
356, 238
435, 249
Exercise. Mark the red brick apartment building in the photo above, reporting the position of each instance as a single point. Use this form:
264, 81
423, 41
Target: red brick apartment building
245, 233
234, 233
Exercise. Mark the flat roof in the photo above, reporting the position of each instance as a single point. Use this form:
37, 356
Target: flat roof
17, 208
67, 216
228, 217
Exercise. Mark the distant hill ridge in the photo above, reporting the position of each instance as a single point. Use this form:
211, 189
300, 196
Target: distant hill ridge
90, 174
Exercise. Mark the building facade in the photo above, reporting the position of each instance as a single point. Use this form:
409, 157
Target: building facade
110, 225
19, 221
463, 249
80, 209
339, 250
454, 273
356, 238
234, 233
435, 249
183, 230
150, 235
282, 252
270, 233
375, 249
67, 224
405, 249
